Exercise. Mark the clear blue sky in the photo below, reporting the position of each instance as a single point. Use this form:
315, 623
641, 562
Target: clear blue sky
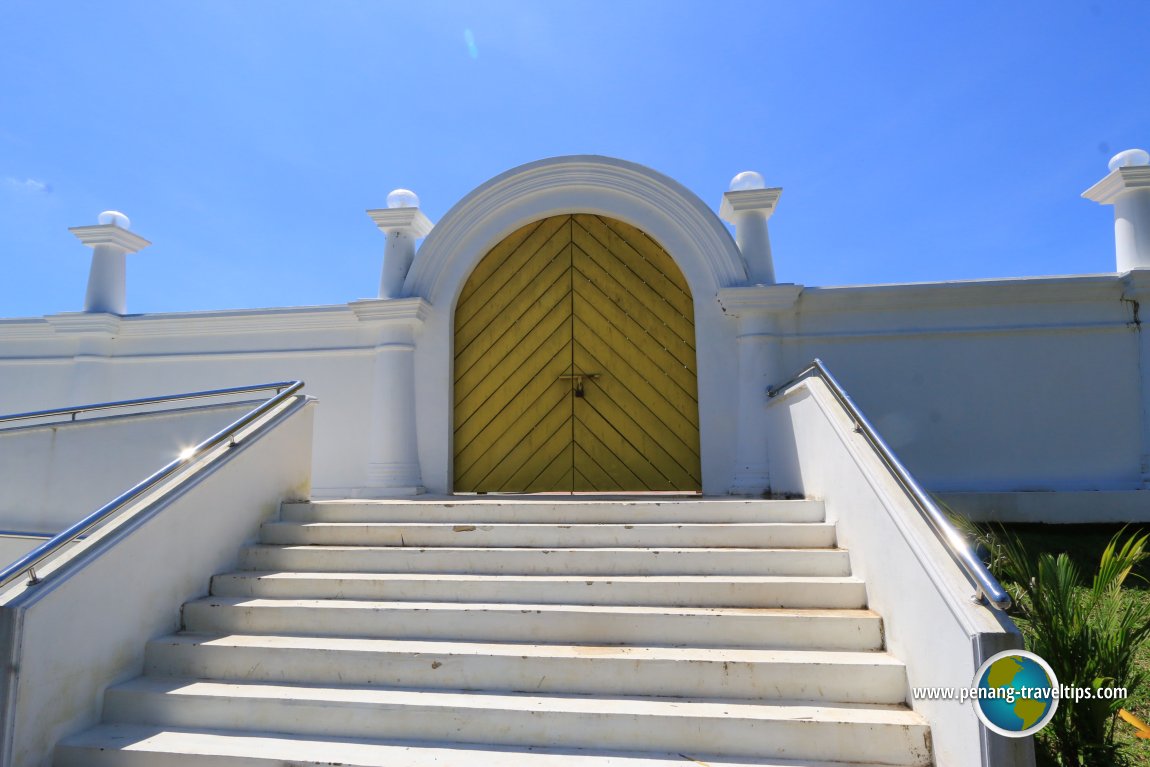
914, 140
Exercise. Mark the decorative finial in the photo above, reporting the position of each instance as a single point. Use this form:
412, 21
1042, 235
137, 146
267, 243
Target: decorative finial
116, 218
1130, 158
402, 198
748, 179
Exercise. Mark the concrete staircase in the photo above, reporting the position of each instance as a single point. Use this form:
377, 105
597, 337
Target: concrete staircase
525, 633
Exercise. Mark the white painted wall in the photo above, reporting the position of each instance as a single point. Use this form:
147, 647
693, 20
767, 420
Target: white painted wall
14, 546
1005, 385
79, 358
55, 474
84, 627
929, 620
988, 386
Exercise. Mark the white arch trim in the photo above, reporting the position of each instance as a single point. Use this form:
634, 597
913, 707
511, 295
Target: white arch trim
669, 213
660, 206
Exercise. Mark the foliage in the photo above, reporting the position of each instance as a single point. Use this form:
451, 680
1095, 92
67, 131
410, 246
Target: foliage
1089, 633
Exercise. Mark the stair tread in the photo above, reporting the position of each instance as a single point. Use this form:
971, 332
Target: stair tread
792, 710
538, 650
531, 578
517, 607
278, 750
536, 499
553, 549
478, 523
519, 653
543, 578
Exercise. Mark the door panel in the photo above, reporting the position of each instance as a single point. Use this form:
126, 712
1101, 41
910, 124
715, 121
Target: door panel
575, 364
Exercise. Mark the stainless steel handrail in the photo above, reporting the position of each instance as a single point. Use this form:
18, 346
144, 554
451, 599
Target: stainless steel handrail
31, 560
25, 534
954, 541
75, 411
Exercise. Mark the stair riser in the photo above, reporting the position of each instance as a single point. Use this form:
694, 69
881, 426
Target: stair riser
94, 749
849, 594
549, 513
551, 536
574, 592
592, 674
538, 626
542, 561
95, 756
733, 737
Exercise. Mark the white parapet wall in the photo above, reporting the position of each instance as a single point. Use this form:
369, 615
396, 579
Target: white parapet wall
84, 627
998, 386
930, 621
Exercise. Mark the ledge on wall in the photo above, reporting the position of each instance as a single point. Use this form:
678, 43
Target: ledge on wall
1065, 507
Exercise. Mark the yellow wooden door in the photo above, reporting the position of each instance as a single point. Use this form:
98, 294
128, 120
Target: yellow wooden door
575, 364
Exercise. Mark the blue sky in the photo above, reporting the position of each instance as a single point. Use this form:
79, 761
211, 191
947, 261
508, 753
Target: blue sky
914, 141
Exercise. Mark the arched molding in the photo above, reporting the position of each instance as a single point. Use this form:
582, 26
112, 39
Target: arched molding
662, 208
666, 210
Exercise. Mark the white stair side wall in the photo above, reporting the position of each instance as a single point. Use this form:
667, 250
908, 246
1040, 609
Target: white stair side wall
57, 473
930, 622
77, 633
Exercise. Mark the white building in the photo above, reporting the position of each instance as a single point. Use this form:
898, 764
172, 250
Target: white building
586, 324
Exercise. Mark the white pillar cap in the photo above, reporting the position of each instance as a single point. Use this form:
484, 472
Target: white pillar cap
402, 214
741, 201
1129, 170
110, 234
407, 220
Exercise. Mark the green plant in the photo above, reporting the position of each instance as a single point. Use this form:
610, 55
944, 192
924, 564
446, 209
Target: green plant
1089, 633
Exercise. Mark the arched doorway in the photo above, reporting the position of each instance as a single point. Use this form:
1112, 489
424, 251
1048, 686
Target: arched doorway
574, 364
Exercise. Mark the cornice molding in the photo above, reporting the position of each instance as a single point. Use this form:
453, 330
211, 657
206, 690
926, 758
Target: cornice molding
1136, 284
18, 328
86, 322
985, 293
287, 320
109, 234
414, 310
231, 322
407, 220
762, 200
1118, 182
759, 299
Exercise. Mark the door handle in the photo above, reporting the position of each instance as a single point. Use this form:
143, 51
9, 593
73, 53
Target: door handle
577, 381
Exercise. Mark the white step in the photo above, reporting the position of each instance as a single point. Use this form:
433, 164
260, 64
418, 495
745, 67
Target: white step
570, 536
731, 728
491, 510
843, 676
121, 745
650, 590
540, 623
522, 633
556, 561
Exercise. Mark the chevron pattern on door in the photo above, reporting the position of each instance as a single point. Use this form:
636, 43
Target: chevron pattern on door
575, 364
